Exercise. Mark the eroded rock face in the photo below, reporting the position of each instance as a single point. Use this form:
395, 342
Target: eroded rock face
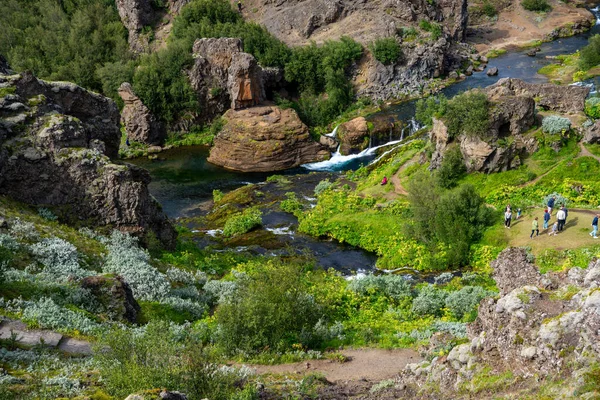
114, 295
261, 139
140, 124
552, 97
224, 76
56, 142
592, 134
353, 136
135, 15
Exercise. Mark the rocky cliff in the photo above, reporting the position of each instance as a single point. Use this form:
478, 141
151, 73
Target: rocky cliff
56, 141
140, 124
511, 113
225, 77
266, 138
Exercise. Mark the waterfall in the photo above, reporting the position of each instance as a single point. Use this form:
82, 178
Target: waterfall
333, 133
370, 141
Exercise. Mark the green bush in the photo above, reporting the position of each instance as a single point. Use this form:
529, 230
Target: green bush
241, 223
589, 56
489, 10
291, 204
554, 125
429, 301
468, 114
466, 300
386, 50
452, 169
322, 186
592, 107
434, 28
432, 106
394, 286
536, 5
217, 195
270, 310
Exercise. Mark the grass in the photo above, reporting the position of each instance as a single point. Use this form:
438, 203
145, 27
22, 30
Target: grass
594, 149
567, 70
493, 53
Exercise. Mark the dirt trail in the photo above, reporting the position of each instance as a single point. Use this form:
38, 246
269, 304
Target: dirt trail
369, 364
584, 152
395, 179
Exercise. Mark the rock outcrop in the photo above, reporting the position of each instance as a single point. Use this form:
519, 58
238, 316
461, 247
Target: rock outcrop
565, 99
140, 124
4, 67
592, 134
56, 141
353, 136
114, 296
264, 139
224, 76
135, 15
549, 325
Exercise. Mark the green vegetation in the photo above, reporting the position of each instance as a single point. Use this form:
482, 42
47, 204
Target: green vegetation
590, 54
432, 106
433, 28
536, 5
592, 107
386, 50
555, 125
488, 9
452, 169
493, 53
242, 223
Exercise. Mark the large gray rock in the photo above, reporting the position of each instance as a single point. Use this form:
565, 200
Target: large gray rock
140, 124
56, 140
513, 269
547, 95
592, 134
135, 15
224, 76
114, 296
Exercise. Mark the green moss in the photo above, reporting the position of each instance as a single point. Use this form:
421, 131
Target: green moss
5, 91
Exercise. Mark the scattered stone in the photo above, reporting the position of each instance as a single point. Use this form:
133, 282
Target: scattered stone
469, 70
492, 71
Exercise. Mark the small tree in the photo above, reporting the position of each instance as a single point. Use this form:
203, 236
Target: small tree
468, 114
452, 168
589, 56
386, 50
536, 5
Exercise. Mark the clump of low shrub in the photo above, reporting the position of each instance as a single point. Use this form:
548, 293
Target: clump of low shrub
429, 301
431, 27
465, 300
394, 286
386, 50
217, 195
589, 56
592, 107
47, 214
291, 204
452, 169
536, 5
554, 125
489, 10
432, 106
241, 223
468, 113
60, 259
322, 186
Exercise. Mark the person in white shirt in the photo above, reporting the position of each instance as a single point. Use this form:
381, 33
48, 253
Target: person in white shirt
561, 217
507, 217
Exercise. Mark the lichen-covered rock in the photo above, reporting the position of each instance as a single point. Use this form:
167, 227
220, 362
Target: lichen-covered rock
547, 95
513, 268
264, 139
592, 134
353, 136
56, 140
115, 296
140, 124
223, 76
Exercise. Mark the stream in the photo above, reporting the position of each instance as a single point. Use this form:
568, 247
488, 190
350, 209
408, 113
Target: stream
183, 181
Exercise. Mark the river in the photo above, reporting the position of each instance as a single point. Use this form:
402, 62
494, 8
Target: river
183, 181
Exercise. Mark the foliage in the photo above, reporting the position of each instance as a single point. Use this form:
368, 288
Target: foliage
159, 356
589, 56
432, 27
465, 301
452, 168
430, 300
386, 50
242, 222
60, 259
217, 195
291, 204
468, 114
45, 313
554, 125
592, 107
271, 309
432, 106
536, 5
322, 186
489, 10
62, 40
47, 214
394, 286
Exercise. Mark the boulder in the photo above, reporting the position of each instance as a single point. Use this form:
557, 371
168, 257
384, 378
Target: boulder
264, 139
329, 142
549, 96
140, 124
513, 269
353, 136
223, 76
114, 295
492, 71
592, 134
58, 154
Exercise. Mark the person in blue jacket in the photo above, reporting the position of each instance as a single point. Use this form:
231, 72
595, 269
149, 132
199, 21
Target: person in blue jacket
546, 218
594, 232
551, 204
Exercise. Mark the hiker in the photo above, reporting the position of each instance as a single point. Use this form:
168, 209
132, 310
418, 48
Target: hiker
239, 4
127, 142
384, 181
546, 218
551, 204
554, 231
534, 228
518, 213
594, 232
507, 208
566, 212
560, 218
507, 217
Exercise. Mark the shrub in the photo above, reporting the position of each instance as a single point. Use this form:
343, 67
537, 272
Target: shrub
60, 259
589, 56
386, 50
554, 125
465, 300
394, 286
592, 107
241, 223
452, 168
45, 313
291, 204
456, 329
431, 27
536, 5
217, 195
322, 186
468, 114
489, 10
270, 309
432, 106
430, 301
47, 214
560, 199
